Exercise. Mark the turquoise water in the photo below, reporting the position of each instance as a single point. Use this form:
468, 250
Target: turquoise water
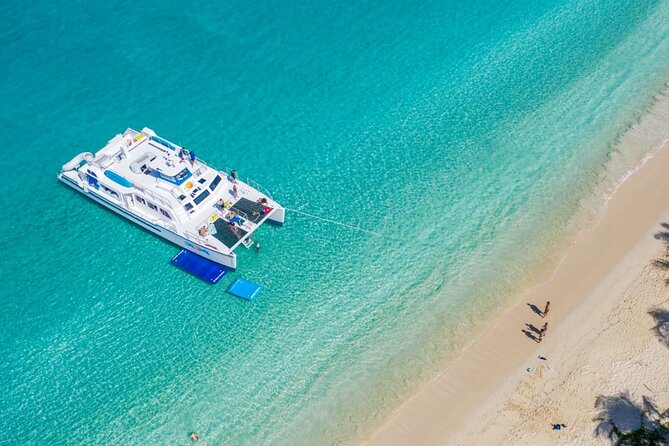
464, 135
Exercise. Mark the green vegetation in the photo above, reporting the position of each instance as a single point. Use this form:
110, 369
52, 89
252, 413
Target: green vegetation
643, 436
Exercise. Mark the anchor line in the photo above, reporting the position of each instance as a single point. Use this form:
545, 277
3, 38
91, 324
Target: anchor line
335, 222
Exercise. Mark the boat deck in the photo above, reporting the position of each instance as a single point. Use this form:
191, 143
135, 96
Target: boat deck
247, 207
164, 185
226, 235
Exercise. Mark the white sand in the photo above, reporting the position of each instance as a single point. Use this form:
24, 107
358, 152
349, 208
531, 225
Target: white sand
615, 353
600, 343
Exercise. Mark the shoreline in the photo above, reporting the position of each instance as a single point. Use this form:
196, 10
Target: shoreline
609, 367
585, 282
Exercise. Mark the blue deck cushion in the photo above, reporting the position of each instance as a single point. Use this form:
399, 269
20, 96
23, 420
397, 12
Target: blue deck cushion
118, 179
198, 266
245, 289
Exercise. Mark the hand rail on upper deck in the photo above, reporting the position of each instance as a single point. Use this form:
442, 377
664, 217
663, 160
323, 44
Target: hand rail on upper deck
153, 195
254, 184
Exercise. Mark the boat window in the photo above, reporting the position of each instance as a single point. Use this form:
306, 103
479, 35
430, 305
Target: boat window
165, 213
182, 197
111, 192
215, 182
188, 206
202, 180
177, 179
201, 197
152, 206
140, 199
163, 142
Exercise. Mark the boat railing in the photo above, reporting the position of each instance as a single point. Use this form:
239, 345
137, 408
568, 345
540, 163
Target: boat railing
154, 196
242, 214
202, 166
251, 182
254, 184
248, 224
195, 237
171, 226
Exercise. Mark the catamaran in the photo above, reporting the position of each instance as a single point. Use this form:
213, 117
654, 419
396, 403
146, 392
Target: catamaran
168, 190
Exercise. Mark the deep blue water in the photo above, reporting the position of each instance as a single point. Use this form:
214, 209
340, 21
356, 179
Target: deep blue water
464, 134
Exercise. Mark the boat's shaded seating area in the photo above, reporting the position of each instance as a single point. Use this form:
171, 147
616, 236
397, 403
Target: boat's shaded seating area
247, 207
226, 235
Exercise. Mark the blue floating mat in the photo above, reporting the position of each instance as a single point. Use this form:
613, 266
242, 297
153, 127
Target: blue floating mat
199, 266
245, 289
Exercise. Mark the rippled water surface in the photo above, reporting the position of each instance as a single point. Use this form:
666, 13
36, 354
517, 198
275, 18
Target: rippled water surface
463, 134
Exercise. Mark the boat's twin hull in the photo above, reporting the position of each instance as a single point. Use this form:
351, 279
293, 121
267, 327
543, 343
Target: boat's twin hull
227, 260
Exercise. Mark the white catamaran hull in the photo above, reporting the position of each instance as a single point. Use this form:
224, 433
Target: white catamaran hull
227, 260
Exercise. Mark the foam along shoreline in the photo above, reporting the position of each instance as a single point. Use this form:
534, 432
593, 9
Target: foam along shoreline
587, 282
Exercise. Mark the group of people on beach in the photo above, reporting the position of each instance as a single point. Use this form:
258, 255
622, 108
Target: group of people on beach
538, 334
542, 333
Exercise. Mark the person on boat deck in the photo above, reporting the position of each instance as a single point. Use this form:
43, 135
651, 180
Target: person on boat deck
233, 176
192, 158
234, 190
202, 231
182, 155
230, 215
256, 214
262, 200
220, 204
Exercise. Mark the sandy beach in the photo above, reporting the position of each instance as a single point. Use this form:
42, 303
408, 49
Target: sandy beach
606, 351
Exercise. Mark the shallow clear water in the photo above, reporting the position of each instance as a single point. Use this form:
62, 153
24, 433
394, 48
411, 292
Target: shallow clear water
464, 135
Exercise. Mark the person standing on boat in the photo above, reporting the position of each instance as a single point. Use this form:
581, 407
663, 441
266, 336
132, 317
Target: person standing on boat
192, 158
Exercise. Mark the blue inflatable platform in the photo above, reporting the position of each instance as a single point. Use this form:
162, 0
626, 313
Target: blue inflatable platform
199, 266
245, 289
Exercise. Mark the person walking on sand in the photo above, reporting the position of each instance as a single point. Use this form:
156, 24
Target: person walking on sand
547, 308
543, 331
